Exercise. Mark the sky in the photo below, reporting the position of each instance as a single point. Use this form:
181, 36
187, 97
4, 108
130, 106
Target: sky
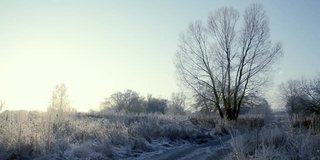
99, 47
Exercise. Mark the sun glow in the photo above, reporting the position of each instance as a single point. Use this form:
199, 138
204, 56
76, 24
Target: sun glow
34, 61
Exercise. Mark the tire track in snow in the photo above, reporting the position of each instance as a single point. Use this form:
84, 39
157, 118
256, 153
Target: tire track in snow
213, 149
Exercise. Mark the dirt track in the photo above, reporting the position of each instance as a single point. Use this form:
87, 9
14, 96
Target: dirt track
212, 149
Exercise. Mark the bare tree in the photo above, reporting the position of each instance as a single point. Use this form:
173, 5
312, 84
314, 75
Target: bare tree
59, 106
128, 101
292, 93
60, 99
2, 105
156, 105
227, 57
301, 96
177, 103
202, 104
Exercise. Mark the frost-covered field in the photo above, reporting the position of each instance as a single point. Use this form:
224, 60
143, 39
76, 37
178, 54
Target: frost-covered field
283, 137
96, 136
39, 135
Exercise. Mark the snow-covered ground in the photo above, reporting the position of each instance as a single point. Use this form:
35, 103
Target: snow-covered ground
165, 149
31, 135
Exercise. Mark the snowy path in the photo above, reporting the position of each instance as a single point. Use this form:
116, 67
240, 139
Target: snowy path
280, 119
213, 149
210, 149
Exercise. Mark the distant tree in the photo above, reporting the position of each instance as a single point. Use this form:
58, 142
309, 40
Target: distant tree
202, 104
2, 105
227, 57
128, 101
59, 106
177, 103
313, 92
131, 101
58, 113
255, 104
155, 105
292, 93
301, 96
60, 99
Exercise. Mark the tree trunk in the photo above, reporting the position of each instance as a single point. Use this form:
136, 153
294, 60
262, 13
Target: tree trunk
228, 113
232, 114
237, 111
220, 112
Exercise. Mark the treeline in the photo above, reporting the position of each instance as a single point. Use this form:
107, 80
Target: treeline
130, 101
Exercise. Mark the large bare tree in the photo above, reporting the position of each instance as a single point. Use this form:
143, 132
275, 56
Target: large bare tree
225, 60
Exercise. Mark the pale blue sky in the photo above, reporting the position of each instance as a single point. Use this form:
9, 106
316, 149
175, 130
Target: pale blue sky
98, 47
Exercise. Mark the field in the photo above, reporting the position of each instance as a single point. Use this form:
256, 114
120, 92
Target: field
95, 136
39, 135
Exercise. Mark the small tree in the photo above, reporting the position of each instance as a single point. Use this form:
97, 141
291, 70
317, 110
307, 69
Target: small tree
59, 100
177, 103
59, 105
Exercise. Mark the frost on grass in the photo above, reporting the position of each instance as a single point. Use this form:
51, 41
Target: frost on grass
38, 135
30, 135
276, 141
